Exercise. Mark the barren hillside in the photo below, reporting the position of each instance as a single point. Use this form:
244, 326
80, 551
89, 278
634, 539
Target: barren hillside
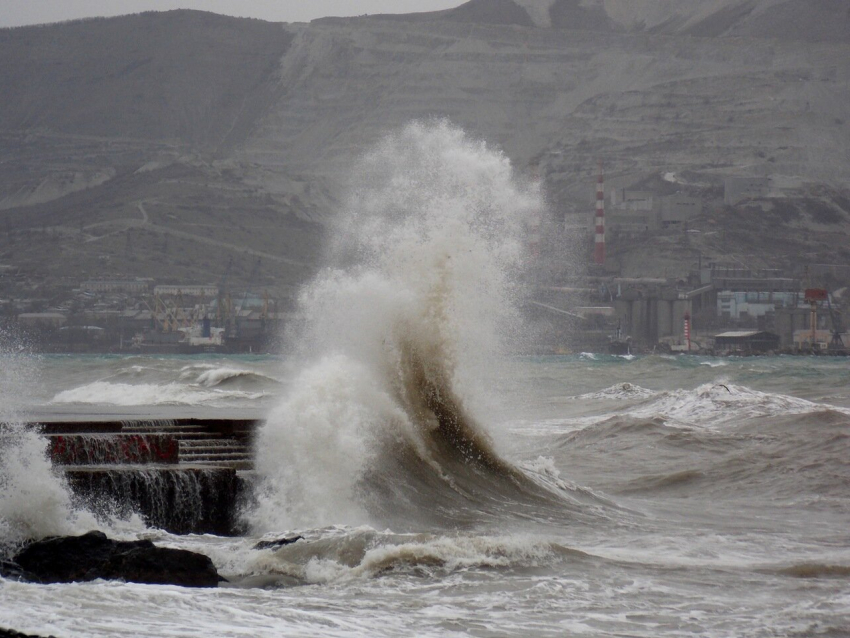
237, 136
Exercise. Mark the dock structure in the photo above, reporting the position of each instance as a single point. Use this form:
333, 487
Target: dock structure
184, 475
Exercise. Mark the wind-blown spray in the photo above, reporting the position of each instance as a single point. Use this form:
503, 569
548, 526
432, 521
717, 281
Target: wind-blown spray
394, 335
34, 499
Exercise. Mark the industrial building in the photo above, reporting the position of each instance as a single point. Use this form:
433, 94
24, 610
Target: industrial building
741, 304
654, 310
209, 291
138, 285
42, 319
746, 342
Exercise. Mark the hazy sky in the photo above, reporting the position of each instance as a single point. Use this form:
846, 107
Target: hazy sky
18, 12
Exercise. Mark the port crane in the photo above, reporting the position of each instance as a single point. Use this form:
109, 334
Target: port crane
224, 305
813, 297
252, 278
837, 342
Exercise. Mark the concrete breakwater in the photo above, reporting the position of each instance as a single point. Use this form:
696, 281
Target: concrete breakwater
183, 475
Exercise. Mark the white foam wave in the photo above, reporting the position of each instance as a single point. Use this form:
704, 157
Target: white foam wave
718, 403
713, 405
217, 376
624, 390
323, 441
125, 394
709, 406
34, 499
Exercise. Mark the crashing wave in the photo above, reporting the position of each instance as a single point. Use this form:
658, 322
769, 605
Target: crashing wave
380, 426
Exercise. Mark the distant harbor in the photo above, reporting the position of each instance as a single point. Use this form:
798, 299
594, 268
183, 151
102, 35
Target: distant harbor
137, 316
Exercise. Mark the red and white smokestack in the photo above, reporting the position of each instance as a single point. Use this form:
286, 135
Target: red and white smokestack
687, 318
599, 245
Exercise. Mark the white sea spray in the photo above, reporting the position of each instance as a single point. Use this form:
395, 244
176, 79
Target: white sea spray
424, 258
35, 501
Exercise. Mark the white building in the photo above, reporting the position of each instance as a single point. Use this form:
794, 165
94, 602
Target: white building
733, 304
116, 285
208, 291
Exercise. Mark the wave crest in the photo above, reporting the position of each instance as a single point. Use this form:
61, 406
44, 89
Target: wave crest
128, 394
364, 553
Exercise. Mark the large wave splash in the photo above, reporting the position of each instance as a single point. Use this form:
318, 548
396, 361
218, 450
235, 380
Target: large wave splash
34, 499
395, 337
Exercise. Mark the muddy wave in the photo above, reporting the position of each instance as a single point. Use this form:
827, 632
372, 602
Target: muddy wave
788, 457
344, 554
386, 423
235, 377
815, 570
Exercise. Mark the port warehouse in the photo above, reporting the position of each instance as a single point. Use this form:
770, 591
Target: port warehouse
717, 299
746, 342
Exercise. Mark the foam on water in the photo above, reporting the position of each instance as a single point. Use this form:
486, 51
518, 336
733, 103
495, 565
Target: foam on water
395, 335
715, 404
709, 405
624, 390
131, 394
161, 383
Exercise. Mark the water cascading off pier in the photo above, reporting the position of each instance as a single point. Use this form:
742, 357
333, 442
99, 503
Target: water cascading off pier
181, 475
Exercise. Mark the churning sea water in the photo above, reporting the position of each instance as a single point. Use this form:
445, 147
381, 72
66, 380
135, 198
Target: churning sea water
445, 488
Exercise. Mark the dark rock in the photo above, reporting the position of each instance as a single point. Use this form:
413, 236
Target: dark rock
12, 571
11, 633
81, 558
277, 543
161, 566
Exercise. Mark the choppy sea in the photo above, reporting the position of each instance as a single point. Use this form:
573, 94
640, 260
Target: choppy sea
640, 496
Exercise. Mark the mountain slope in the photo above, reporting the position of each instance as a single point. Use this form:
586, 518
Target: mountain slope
237, 134
182, 76
806, 20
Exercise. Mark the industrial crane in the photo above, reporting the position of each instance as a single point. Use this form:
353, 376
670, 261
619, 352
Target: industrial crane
223, 305
251, 279
836, 343
813, 296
